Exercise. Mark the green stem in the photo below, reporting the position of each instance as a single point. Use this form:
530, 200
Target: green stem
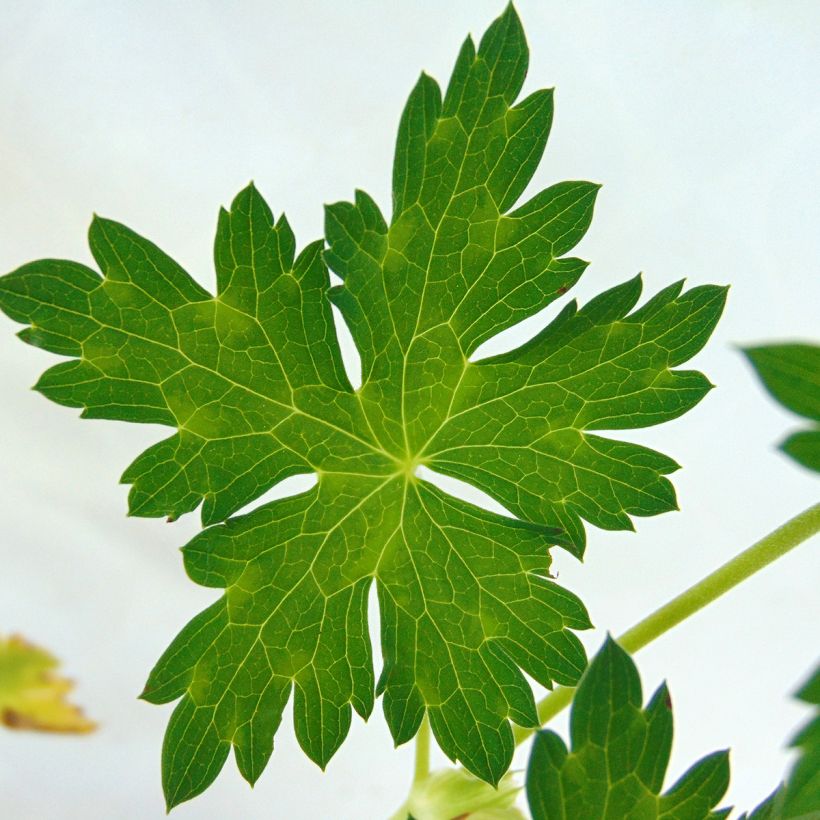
422, 768
742, 566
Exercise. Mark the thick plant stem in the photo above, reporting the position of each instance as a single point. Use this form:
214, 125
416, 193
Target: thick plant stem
422, 768
742, 566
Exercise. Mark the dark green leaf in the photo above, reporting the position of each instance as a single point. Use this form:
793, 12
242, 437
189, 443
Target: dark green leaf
791, 373
620, 753
799, 797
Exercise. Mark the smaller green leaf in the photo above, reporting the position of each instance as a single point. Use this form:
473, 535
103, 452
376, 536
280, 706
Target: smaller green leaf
768, 809
791, 373
620, 753
799, 797
801, 794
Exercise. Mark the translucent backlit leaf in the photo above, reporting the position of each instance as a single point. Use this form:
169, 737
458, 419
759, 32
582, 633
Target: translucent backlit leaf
252, 382
791, 374
32, 694
620, 753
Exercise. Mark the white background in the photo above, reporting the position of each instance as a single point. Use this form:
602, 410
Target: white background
701, 119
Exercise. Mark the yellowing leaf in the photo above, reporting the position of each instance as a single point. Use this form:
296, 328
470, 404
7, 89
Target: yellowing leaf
791, 373
32, 696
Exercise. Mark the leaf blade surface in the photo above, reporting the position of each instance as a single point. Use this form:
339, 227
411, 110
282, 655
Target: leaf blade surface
619, 755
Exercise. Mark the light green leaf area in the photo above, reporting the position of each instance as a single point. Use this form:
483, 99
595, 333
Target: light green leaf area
767, 810
620, 753
791, 373
253, 383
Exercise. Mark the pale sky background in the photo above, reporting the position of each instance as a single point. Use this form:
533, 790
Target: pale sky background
700, 118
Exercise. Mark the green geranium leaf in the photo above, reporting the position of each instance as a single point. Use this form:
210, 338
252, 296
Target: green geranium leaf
252, 380
802, 793
799, 797
619, 755
791, 373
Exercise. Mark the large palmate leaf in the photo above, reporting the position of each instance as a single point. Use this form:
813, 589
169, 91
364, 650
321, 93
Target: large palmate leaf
791, 373
620, 753
253, 382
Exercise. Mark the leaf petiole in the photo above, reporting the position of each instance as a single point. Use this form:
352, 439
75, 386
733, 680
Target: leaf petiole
767, 550
422, 765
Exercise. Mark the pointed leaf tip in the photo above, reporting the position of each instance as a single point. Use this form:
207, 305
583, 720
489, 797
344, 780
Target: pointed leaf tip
579, 782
